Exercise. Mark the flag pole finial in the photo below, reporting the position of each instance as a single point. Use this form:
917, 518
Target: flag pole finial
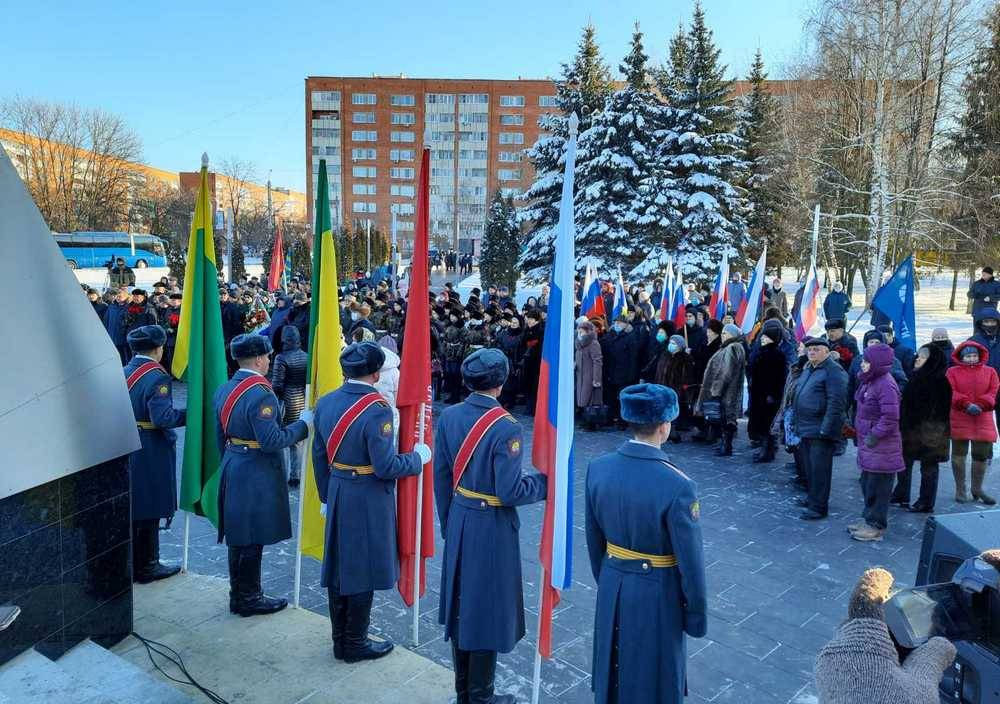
204, 159
574, 124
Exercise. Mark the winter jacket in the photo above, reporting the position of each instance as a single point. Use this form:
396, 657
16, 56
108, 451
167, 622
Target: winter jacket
121, 277
299, 317
852, 379
880, 445
737, 292
820, 400
388, 384
780, 427
946, 347
532, 359
767, 373
973, 384
702, 354
694, 336
724, 380
114, 322
288, 374
991, 343
679, 376
779, 300
980, 290
925, 410
232, 321
138, 315
836, 305
620, 357
904, 355
589, 369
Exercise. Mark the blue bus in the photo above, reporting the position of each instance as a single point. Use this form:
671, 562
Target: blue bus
95, 249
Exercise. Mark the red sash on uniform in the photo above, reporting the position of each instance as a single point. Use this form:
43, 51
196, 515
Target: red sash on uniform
234, 396
471, 442
141, 371
347, 420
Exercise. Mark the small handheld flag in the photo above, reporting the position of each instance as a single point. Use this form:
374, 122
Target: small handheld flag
621, 305
667, 301
807, 314
720, 292
746, 316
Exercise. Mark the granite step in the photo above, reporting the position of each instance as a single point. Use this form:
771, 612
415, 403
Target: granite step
31, 678
115, 677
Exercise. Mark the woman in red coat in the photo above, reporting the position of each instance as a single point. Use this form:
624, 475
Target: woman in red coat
974, 388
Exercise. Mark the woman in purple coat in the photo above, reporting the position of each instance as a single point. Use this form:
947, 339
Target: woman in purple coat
880, 445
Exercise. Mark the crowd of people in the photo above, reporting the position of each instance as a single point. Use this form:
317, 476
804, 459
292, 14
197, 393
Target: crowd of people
903, 408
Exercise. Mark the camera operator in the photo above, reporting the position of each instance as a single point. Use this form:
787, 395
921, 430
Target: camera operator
120, 275
861, 664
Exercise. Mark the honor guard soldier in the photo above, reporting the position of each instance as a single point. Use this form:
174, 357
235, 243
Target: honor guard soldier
152, 468
646, 554
253, 494
478, 483
356, 467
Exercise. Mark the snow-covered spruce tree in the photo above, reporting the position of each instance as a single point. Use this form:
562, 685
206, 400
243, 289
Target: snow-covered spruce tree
765, 180
703, 153
583, 89
620, 210
501, 244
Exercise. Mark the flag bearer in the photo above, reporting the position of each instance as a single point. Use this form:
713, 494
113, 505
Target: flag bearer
646, 554
253, 494
153, 467
356, 467
478, 483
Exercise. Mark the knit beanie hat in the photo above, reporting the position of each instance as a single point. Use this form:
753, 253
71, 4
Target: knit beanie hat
715, 326
679, 341
731, 330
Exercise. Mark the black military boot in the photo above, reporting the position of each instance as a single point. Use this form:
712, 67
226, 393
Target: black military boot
461, 660
482, 670
357, 645
767, 452
234, 577
338, 621
150, 569
250, 599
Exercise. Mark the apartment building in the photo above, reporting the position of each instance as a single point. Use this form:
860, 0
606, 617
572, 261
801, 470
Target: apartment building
371, 131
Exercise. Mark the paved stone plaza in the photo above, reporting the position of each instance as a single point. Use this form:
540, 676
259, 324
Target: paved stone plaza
778, 586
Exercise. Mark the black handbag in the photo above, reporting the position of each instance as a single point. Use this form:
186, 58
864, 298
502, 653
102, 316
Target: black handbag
596, 414
711, 410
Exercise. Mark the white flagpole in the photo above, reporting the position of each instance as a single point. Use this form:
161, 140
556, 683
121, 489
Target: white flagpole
303, 479
418, 543
187, 538
536, 678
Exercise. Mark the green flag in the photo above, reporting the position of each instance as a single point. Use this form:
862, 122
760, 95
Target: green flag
200, 361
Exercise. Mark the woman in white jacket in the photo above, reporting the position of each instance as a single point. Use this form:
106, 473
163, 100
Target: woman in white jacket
388, 383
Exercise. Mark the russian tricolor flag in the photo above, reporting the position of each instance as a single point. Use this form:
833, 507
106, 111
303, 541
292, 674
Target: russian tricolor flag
592, 305
680, 306
746, 316
667, 302
552, 450
807, 314
720, 293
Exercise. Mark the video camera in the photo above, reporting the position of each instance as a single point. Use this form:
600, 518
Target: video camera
958, 598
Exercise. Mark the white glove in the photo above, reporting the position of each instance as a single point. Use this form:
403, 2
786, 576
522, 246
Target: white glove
306, 416
322, 510
424, 452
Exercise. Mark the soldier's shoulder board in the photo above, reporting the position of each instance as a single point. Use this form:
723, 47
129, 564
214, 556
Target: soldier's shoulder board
675, 468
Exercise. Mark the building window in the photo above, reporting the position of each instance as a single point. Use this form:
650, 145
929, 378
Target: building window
441, 173
512, 101
403, 100
403, 118
509, 174
472, 136
402, 155
445, 117
512, 119
472, 154
363, 189
403, 208
511, 138
331, 151
401, 172
401, 190
363, 171
362, 98
471, 118
363, 118
363, 154
443, 154
403, 137
329, 96
367, 136
333, 169
406, 225
472, 173
509, 156
547, 101
476, 98
325, 133
363, 207
436, 98
442, 136
315, 151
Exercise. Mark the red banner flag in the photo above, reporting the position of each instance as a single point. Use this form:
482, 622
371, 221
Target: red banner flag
277, 260
415, 394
